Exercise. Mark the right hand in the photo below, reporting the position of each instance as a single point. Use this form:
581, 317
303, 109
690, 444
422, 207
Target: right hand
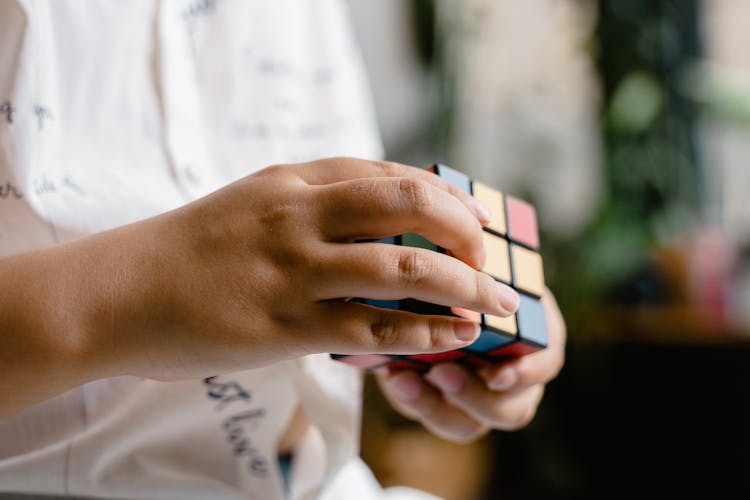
259, 271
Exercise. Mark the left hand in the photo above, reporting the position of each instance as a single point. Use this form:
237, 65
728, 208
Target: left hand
462, 405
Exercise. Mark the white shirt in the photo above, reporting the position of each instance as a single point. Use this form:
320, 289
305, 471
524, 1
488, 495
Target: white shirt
114, 111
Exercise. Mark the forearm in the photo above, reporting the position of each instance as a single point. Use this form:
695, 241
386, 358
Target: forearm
59, 309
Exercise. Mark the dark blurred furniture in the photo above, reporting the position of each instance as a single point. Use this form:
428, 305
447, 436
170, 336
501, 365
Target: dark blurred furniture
631, 419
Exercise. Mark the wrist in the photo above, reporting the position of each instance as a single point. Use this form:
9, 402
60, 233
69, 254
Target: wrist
44, 349
124, 298
69, 319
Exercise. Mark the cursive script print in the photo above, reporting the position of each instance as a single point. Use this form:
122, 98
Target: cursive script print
239, 423
7, 110
45, 185
199, 8
42, 113
9, 191
237, 427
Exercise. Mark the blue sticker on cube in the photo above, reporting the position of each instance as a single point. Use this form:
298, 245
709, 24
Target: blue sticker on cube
454, 177
532, 324
487, 341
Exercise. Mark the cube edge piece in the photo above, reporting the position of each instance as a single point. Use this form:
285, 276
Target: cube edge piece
537, 288
499, 224
453, 176
513, 236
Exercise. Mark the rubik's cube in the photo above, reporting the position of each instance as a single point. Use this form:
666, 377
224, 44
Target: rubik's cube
512, 244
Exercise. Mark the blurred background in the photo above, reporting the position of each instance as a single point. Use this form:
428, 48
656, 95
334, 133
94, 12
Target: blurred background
627, 123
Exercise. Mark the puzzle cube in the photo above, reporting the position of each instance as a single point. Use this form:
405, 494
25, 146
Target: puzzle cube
511, 240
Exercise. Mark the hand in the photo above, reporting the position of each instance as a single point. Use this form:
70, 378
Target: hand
259, 271
461, 405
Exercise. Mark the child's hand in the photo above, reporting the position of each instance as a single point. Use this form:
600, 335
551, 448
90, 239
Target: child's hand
258, 271
461, 405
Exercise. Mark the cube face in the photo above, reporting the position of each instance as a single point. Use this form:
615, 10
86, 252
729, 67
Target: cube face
498, 257
508, 324
440, 356
458, 179
522, 225
493, 200
528, 275
531, 321
511, 241
417, 241
489, 340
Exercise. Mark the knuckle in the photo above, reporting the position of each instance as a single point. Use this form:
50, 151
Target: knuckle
277, 215
412, 268
484, 289
417, 194
437, 336
272, 170
385, 168
428, 410
295, 261
384, 331
361, 189
451, 189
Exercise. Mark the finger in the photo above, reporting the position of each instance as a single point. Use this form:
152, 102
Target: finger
354, 328
537, 368
415, 399
499, 410
380, 207
330, 170
388, 272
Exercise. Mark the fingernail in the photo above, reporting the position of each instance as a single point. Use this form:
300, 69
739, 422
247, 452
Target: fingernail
405, 388
504, 380
465, 331
447, 378
482, 211
509, 298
